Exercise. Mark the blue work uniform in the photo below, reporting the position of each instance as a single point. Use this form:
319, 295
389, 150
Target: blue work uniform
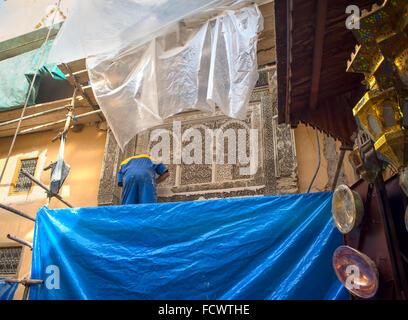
138, 176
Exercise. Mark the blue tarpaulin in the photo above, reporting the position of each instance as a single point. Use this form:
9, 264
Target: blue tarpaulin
275, 247
7, 290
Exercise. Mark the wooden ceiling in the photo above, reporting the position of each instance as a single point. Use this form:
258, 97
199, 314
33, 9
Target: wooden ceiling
312, 36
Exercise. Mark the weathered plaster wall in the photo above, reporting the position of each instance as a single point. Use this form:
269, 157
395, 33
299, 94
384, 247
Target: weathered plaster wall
277, 166
307, 158
83, 152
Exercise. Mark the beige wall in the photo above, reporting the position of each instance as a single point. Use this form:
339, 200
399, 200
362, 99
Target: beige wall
307, 158
83, 152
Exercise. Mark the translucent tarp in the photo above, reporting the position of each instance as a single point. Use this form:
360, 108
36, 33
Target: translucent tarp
277, 247
148, 60
16, 74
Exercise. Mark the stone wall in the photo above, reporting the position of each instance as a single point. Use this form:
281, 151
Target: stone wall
276, 157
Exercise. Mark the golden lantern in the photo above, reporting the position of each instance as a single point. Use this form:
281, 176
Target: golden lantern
401, 61
381, 113
395, 48
382, 56
365, 170
382, 21
393, 145
366, 59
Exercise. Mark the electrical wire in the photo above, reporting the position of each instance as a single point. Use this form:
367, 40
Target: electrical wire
29, 91
318, 164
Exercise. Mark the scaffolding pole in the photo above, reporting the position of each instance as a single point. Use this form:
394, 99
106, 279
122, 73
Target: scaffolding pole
17, 212
25, 282
29, 176
79, 87
35, 115
21, 241
68, 119
60, 121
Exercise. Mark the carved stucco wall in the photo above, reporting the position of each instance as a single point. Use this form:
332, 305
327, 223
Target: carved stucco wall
277, 166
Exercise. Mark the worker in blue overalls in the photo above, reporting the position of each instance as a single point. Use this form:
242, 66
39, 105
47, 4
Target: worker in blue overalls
137, 176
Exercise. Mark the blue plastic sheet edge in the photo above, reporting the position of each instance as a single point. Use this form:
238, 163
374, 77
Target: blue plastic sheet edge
7, 290
272, 247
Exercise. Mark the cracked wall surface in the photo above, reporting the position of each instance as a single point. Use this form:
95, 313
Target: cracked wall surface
307, 159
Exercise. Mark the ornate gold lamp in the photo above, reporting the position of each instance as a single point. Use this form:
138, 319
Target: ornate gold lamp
382, 56
367, 171
381, 114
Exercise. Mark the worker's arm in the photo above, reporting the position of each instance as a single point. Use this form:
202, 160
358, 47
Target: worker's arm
120, 178
163, 177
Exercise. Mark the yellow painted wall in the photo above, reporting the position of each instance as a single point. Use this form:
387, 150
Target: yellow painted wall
83, 152
307, 158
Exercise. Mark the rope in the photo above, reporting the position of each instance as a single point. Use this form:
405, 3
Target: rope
318, 164
29, 91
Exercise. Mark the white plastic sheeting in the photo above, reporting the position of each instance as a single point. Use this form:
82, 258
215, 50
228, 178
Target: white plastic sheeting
141, 76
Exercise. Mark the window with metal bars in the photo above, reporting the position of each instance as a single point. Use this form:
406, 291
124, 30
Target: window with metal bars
22, 183
9, 260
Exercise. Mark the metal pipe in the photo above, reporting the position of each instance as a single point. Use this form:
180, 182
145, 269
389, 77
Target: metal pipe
22, 241
17, 212
34, 115
318, 165
29, 176
68, 120
25, 293
25, 282
60, 121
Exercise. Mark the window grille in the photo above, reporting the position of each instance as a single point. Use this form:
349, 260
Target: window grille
23, 184
9, 260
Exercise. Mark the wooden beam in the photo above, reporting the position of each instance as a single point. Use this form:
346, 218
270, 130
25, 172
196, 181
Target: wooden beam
289, 26
81, 90
79, 87
318, 51
35, 115
94, 112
